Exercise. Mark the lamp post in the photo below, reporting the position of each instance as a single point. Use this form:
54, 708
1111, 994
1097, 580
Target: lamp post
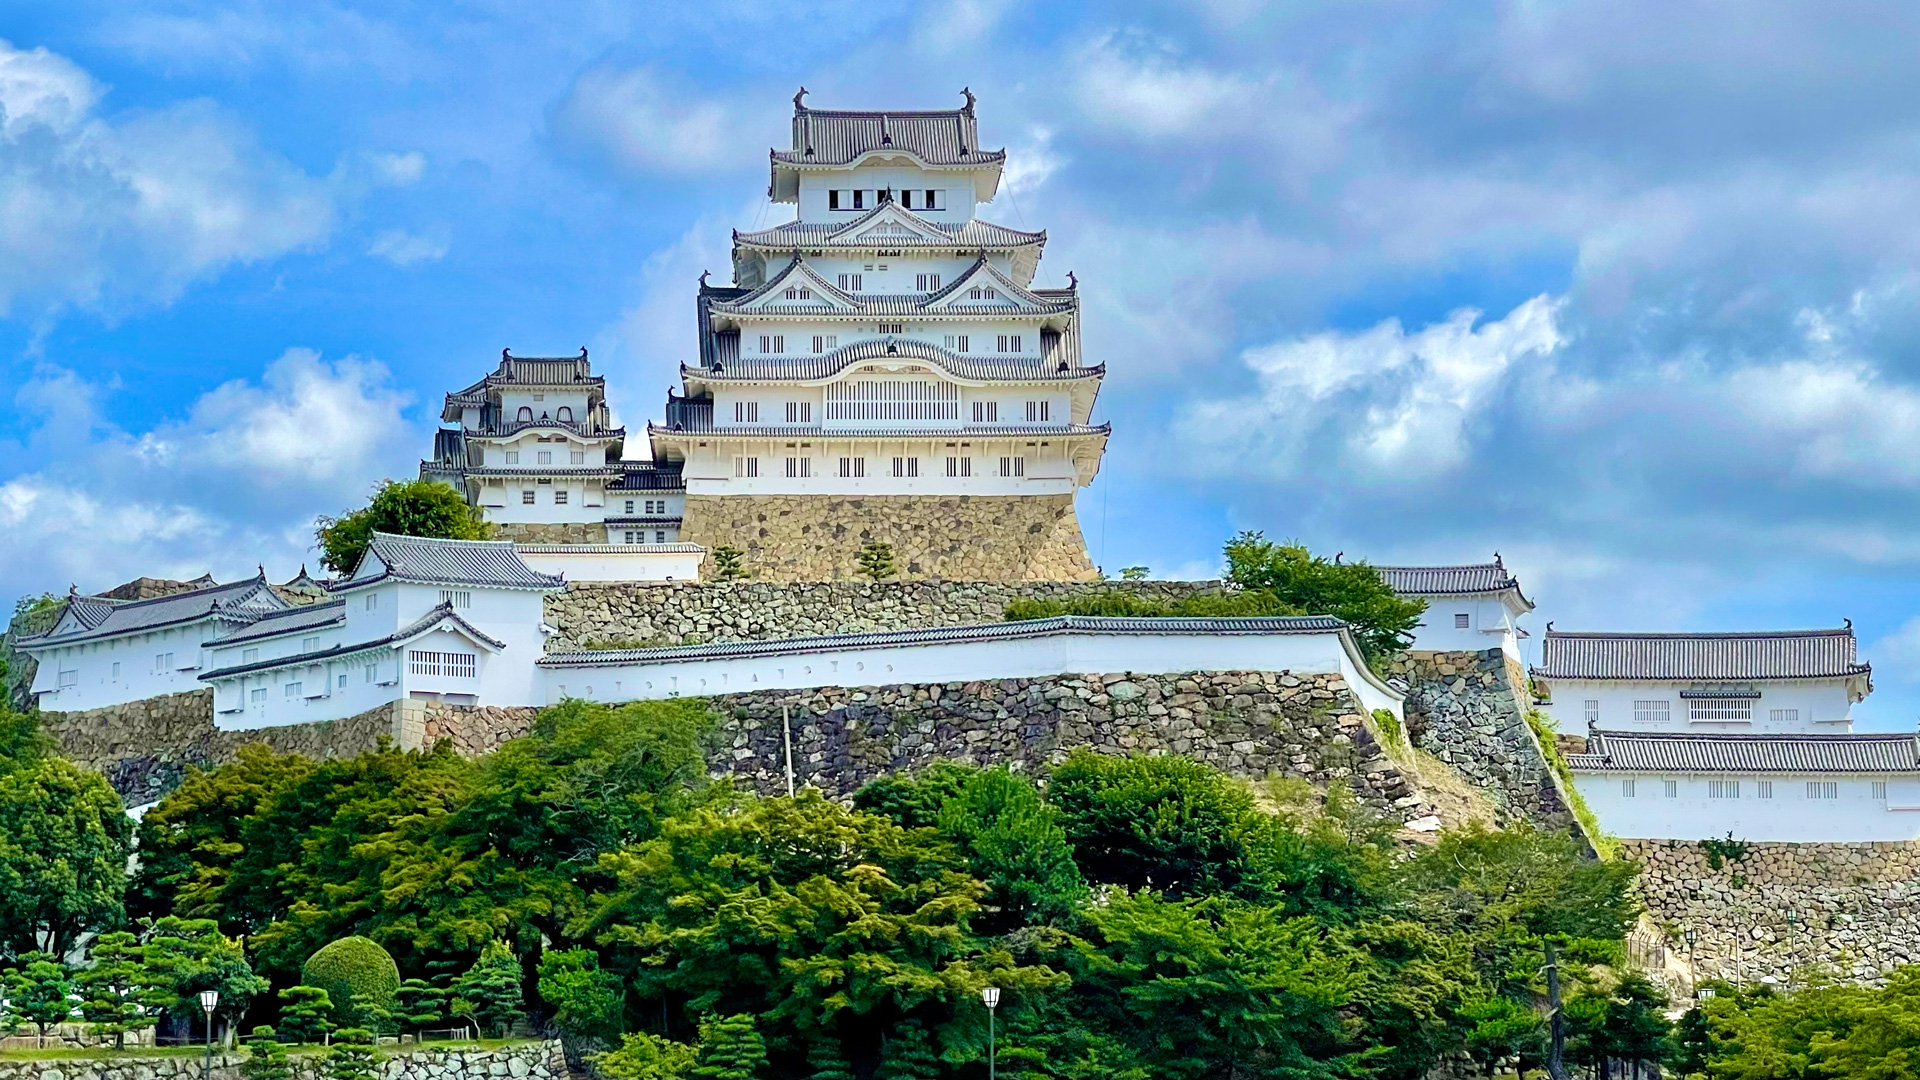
209, 1001
991, 996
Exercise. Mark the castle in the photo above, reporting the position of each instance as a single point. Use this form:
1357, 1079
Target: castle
882, 368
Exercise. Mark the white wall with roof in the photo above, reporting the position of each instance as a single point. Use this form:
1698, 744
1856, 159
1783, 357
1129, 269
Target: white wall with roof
1783, 706
616, 562
1713, 805
1489, 624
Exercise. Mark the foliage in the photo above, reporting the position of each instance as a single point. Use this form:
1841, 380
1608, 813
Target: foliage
586, 1000
728, 564
1721, 852
1134, 573
1504, 1030
38, 992
1389, 725
1013, 842
115, 987
1822, 1029
418, 1005
266, 1057
1131, 605
357, 974
1164, 823
489, 991
306, 1015
913, 801
730, 1049
1382, 622
1543, 733
402, 507
647, 1057
350, 1057
63, 855
185, 956
876, 560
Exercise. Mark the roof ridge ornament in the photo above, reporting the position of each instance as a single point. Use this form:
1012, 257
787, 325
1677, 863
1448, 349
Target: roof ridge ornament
886, 135
1072, 282
799, 101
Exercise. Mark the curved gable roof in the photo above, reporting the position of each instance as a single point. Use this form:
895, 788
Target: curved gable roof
1784, 654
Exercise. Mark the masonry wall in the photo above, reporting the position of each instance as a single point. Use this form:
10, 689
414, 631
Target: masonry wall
535, 1061
554, 532
687, 613
958, 537
1469, 710
1856, 907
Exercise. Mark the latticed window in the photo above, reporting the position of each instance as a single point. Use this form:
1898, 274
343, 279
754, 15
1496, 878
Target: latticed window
1823, 789
1723, 789
451, 665
1652, 712
906, 466
1720, 709
893, 399
1013, 466
1783, 716
457, 598
1880, 790
1763, 789
853, 466
1626, 787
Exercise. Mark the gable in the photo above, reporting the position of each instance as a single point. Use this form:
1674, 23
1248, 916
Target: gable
890, 223
797, 288
982, 287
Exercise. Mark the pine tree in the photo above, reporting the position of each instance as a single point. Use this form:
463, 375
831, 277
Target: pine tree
876, 560
489, 992
39, 992
727, 564
730, 1049
266, 1057
351, 1056
419, 1005
827, 1060
307, 1015
114, 987
908, 1054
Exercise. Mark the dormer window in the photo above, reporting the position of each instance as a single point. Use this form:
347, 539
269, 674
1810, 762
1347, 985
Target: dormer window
565, 414
795, 292
525, 414
983, 294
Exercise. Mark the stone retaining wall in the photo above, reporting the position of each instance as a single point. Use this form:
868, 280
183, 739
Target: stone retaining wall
557, 532
1855, 907
959, 537
533, 1061
144, 747
691, 613
1469, 710
1251, 724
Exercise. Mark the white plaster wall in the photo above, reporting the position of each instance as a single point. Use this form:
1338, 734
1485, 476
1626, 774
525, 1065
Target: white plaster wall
596, 562
666, 504
1490, 624
546, 402
958, 206
323, 694
528, 446
138, 675
1789, 816
643, 534
709, 469
586, 500
967, 661
1822, 703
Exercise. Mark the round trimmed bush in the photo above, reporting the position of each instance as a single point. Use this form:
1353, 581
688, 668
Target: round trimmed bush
357, 974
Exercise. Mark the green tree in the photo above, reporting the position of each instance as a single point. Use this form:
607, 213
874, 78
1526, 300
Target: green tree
1631, 1025
1013, 841
306, 1014
359, 977
266, 1057
1165, 823
647, 1057
403, 507
63, 856
115, 986
186, 956
913, 801
1505, 1030
489, 992
730, 1049
350, 1057
728, 563
40, 992
876, 560
418, 1005
1134, 573
1382, 622
586, 1001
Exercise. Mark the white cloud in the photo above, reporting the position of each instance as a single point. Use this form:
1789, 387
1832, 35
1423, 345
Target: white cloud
1396, 406
95, 210
399, 169
1030, 163
637, 121
1144, 90
402, 248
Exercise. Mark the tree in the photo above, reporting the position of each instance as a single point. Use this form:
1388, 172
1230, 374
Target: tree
728, 564
1012, 841
266, 1057
186, 956
114, 988
1165, 823
350, 1057
876, 560
359, 977
1134, 573
913, 801
306, 1015
730, 1049
586, 1000
403, 507
1505, 1030
63, 856
418, 1005
41, 992
1382, 622
1630, 1025
489, 991
647, 1057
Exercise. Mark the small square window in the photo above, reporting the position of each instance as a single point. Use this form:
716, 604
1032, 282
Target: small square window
257, 694
1626, 788
1461, 621
526, 497
1590, 712
560, 497
1880, 790
629, 506
1673, 789
513, 457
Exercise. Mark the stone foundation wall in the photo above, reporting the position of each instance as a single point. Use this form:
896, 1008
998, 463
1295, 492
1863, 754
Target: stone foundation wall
1250, 724
533, 1061
560, 532
1856, 907
957, 537
144, 747
688, 613
1469, 710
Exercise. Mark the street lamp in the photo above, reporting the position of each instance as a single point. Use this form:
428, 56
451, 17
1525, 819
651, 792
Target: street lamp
209, 1001
991, 996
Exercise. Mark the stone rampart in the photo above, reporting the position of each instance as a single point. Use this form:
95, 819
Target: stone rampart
1772, 910
1469, 710
690, 613
556, 532
957, 537
1250, 724
531, 1061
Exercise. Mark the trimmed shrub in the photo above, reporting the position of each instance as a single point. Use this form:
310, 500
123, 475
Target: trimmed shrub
358, 975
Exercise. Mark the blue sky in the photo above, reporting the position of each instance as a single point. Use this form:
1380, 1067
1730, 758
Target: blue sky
1625, 292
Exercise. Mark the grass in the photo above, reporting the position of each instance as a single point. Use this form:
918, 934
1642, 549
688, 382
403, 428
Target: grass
1543, 732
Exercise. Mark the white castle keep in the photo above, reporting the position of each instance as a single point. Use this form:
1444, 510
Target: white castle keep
882, 368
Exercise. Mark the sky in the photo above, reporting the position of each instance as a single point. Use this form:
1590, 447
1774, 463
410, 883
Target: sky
1625, 292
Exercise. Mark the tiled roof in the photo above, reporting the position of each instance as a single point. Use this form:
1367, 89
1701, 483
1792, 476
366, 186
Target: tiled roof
1002, 631
830, 300
1636, 752
838, 137
525, 371
1451, 580
827, 365
612, 549
634, 520
293, 620
970, 235
452, 562
434, 617
1787, 654
132, 616
572, 471
645, 476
